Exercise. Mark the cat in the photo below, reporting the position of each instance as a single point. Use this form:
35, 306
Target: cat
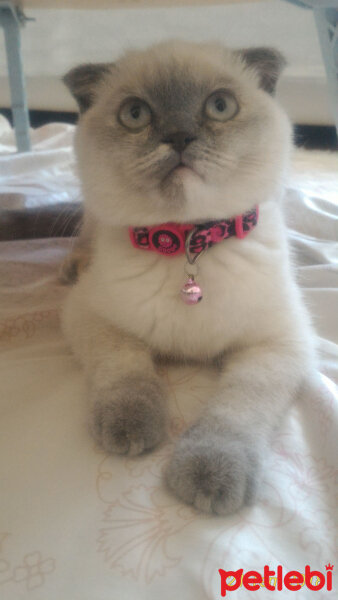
188, 135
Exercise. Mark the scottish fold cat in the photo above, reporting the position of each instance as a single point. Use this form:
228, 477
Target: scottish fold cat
183, 154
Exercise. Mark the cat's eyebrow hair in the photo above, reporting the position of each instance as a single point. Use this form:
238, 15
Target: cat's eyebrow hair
129, 91
226, 82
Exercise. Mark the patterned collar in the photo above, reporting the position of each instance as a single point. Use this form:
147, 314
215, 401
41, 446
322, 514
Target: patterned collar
169, 239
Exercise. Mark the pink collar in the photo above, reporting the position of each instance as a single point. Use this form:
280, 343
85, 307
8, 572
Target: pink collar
169, 238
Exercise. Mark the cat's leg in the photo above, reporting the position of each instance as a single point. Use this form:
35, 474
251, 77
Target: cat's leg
79, 257
128, 399
217, 462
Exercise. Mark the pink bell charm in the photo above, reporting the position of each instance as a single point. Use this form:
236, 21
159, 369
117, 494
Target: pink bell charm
191, 292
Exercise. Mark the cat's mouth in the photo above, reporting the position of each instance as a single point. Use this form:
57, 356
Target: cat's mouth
182, 166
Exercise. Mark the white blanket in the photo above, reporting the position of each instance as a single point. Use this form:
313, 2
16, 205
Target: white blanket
76, 524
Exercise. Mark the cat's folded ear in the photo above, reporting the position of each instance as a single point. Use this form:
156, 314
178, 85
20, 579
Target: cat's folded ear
82, 81
268, 63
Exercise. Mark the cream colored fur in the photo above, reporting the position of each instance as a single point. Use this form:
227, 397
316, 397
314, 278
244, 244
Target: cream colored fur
125, 311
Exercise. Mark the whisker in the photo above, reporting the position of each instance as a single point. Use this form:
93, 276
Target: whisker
56, 222
64, 218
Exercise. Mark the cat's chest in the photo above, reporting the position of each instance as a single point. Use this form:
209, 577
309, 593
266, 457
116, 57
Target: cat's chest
141, 294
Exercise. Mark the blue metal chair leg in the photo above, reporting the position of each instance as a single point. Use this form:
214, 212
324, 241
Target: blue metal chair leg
11, 24
327, 28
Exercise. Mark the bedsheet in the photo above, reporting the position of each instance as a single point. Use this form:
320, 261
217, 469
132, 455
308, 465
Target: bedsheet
76, 524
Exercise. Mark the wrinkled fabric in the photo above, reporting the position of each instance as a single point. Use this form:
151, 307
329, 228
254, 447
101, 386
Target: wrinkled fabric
44, 176
78, 524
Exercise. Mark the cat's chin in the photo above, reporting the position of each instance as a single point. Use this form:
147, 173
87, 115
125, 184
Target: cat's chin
174, 185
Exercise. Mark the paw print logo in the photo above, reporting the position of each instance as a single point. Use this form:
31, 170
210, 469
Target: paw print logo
33, 571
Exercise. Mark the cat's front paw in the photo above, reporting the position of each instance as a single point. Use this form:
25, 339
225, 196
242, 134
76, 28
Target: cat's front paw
213, 473
130, 417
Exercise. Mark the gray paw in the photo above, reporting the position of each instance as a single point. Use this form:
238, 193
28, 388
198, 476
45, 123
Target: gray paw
215, 474
73, 265
131, 417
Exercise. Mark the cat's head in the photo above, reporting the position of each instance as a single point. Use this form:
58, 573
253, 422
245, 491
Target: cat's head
180, 132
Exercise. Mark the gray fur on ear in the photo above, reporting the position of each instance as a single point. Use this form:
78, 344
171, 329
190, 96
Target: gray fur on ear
82, 80
268, 64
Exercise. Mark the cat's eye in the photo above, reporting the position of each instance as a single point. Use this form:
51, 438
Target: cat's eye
221, 106
135, 114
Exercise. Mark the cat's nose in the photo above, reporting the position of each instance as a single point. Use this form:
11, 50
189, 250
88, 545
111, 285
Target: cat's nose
179, 140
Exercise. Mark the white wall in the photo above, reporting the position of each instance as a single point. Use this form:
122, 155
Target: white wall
59, 39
